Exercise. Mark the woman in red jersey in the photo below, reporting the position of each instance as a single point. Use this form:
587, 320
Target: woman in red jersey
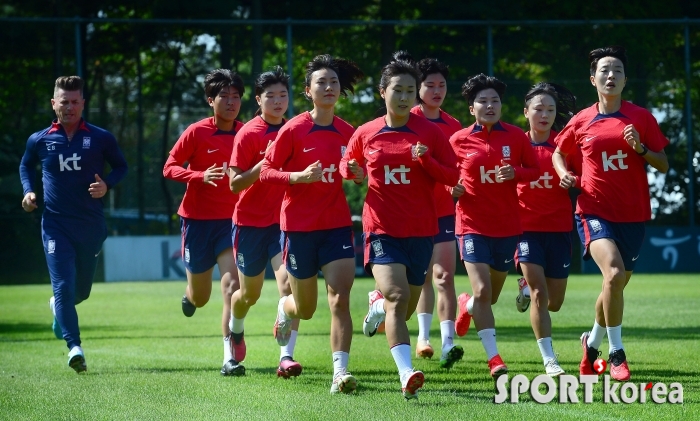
208, 204
617, 140
493, 156
433, 89
404, 156
315, 217
543, 255
256, 230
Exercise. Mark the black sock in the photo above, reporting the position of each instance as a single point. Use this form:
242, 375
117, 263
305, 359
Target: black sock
237, 337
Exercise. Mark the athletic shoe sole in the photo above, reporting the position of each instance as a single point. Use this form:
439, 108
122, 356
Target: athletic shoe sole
464, 319
415, 382
293, 369
453, 355
232, 368
77, 363
188, 308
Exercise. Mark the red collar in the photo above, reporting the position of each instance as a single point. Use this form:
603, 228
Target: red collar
55, 126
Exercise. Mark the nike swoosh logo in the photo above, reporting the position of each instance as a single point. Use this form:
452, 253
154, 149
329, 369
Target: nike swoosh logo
448, 232
374, 151
635, 258
308, 150
508, 261
211, 150
50, 143
470, 154
588, 139
567, 265
262, 152
346, 247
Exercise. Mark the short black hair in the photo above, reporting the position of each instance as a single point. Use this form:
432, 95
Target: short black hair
401, 64
429, 66
613, 51
218, 79
347, 71
564, 99
480, 82
274, 76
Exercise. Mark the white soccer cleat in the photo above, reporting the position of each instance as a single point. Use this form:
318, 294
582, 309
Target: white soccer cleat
283, 324
522, 301
373, 318
411, 381
553, 368
343, 382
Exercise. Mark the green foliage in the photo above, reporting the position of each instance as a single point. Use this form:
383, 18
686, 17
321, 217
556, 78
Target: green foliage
147, 361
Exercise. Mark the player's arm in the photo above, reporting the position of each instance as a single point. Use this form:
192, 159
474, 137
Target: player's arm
278, 155
352, 165
441, 164
240, 180
566, 143
27, 169
658, 160
529, 169
242, 157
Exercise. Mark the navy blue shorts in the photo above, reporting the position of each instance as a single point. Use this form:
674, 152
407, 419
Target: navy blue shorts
497, 252
446, 226
304, 253
628, 236
551, 250
254, 246
413, 252
202, 242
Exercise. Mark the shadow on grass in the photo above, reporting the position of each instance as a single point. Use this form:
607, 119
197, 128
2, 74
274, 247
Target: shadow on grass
521, 334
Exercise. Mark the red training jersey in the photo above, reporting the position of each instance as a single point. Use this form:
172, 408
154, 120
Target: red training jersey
614, 183
300, 143
544, 206
400, 201
488, 206
259, 205
202, 145
444, 203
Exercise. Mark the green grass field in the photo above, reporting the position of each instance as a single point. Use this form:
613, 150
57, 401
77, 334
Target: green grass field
146, 361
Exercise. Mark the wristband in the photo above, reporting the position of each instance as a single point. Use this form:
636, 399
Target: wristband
644, 150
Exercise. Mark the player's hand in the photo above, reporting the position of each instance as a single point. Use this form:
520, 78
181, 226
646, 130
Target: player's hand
505, 172
631, 136
458, 190
212, 174
420, 149
98, 189
29, 202
311, 174
568, 181
356, 170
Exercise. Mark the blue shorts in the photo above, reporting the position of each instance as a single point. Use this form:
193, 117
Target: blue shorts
202, 242
254, 246
413, 252
497, 252
628, 236
551, 250
304, 253
446, 226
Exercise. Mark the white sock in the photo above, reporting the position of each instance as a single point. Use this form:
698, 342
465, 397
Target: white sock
340, 362
378, 306
546, 349
447, 330
615, 338
424, 322
288, 350
236, 325
526, 291
470, 305
488, 340
227, 350
596, 336
402, 357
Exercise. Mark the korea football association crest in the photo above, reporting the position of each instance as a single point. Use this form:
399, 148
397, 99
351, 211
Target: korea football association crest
51, 247
469, 246
241, 261
342, 150
377, 247
86, 143
524, 248
506, 152
595, 225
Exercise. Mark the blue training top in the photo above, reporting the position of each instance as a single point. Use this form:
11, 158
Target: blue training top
69, 167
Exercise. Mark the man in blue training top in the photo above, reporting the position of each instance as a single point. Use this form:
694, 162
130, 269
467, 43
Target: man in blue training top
72, 154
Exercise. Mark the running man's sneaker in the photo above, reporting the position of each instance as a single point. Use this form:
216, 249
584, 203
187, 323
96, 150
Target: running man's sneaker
343, 382
373, 318
522, 301
589, 356
76, 359
553, 368
450, 356
464, 319
237, 349
57, 331
288, 368
283, 324
424, 349
411, 381
497, 366
188, 308
618, 366
232, 368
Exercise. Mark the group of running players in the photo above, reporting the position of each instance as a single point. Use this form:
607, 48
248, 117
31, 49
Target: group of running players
281, 181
